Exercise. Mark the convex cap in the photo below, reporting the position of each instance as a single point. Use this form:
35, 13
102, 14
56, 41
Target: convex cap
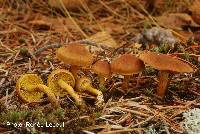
127, 64
75, 54
166, 63
102, 67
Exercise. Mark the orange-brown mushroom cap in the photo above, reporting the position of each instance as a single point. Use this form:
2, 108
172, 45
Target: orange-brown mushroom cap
166, 63
75, 54
101, 68
127, 64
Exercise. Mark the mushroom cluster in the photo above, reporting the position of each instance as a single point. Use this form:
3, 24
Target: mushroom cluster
30, 87
126, 64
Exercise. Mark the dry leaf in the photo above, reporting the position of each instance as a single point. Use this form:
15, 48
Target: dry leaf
112, 27
199, 59
197, 36
69, 4
40, 24
58, 24
2, 66
195, 8
104, 38
175, 20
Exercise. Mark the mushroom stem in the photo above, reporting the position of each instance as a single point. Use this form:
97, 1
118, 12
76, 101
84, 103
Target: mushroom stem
138, 80
87, 86
90, 89
163, 83
43, 88
125, 82
84, 83
70, 91
74, 70
101, 80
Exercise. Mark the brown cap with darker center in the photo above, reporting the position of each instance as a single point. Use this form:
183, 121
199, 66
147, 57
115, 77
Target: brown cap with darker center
75, 54
102, 68
127, 64
166, 63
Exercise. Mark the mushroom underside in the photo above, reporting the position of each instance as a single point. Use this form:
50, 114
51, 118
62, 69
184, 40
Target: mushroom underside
30, 88
62, 82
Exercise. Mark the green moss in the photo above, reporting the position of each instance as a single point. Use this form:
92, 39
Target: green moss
52, 118
24, 51
173, 87
102, 88
37, 114
147, 25
163, 48
74, 115
150, 71
186, 56
59, 112
149, 91
97, 114
48, 58
190, 41
22, 40
13, 116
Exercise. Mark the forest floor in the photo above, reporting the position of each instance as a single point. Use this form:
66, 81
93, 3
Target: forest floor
109, 28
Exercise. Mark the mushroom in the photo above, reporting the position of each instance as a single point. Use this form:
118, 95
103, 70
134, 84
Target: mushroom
30, 88
166, 65
127, 65
76, 55
62, 82
85, 84
102, 69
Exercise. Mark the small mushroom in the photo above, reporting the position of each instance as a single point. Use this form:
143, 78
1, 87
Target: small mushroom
62, 82
127, 65
30, 88
76, 55
85, 84
166, 65
102, 69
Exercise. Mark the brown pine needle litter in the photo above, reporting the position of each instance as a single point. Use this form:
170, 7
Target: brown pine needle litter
32, 31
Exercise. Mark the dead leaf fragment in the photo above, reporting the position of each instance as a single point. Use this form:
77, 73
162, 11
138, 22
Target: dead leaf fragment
69, 4
59, 24
195, 8
175, 20
104, 38
198, 59
112, 27
197, 36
